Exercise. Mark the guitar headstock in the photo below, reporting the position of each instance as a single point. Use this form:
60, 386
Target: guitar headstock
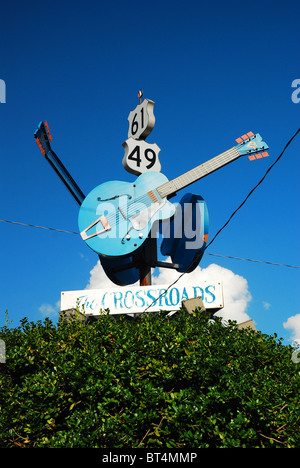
252, 145
43, 137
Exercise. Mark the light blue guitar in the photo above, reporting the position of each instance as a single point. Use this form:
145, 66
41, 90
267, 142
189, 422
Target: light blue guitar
117, 217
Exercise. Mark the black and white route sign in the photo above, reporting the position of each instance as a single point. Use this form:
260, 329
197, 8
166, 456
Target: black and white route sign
141, 120
140, 156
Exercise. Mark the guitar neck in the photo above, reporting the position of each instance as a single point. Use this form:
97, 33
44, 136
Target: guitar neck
212, 165
65, 176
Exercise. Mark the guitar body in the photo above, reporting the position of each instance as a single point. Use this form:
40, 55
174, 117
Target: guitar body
187, 237
122, 277
116, 217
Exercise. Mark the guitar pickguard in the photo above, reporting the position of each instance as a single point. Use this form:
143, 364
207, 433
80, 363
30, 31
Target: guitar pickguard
140, 220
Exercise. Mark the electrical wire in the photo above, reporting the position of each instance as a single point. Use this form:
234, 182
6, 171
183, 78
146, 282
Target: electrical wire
254, 188
205, 253
39, 227
251, 260
231, 216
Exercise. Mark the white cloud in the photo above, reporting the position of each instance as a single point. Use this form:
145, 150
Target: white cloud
48, 310
98, 278
293, 323
235, 287
266, 305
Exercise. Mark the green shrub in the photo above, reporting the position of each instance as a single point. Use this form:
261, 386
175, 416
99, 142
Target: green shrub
150, 382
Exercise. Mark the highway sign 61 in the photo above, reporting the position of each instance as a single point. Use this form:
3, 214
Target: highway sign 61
141, 120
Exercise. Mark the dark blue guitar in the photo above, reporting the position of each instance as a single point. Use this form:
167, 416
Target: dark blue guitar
116, 217
43, 137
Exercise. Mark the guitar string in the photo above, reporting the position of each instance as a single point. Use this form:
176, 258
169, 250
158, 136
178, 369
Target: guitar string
187, 178
125, 207
204, 169
112, 217
177, 184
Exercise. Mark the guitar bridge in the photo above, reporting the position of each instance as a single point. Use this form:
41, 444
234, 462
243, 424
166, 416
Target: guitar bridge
153, 197
122, 213
104, 223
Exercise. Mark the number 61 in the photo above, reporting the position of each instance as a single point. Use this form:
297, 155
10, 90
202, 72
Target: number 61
141, 120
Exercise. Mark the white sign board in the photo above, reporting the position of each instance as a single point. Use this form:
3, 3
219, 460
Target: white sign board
135, 299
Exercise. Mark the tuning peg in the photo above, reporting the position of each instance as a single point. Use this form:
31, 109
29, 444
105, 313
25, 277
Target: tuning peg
48, 130
40, 147
264, 154
244, 137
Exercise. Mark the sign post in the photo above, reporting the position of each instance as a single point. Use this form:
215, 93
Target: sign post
140, 157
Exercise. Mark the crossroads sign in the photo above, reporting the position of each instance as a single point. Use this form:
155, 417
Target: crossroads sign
134, 299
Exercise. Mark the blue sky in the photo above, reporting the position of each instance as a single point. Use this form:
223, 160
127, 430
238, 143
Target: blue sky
215, 71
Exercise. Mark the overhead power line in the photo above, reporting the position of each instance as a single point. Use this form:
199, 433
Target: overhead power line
251, 260
205, 253
231, 216
254, 188
39, 227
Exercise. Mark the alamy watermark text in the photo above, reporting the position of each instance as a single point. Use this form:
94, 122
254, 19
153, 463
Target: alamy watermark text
2, 92
296, 94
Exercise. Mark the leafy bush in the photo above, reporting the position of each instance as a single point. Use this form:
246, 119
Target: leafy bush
150, 382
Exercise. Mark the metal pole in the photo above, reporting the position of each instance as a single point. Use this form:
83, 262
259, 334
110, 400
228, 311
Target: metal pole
145, 276
147, 258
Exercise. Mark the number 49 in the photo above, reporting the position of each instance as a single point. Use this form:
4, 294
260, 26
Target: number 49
149, 154
140, 156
